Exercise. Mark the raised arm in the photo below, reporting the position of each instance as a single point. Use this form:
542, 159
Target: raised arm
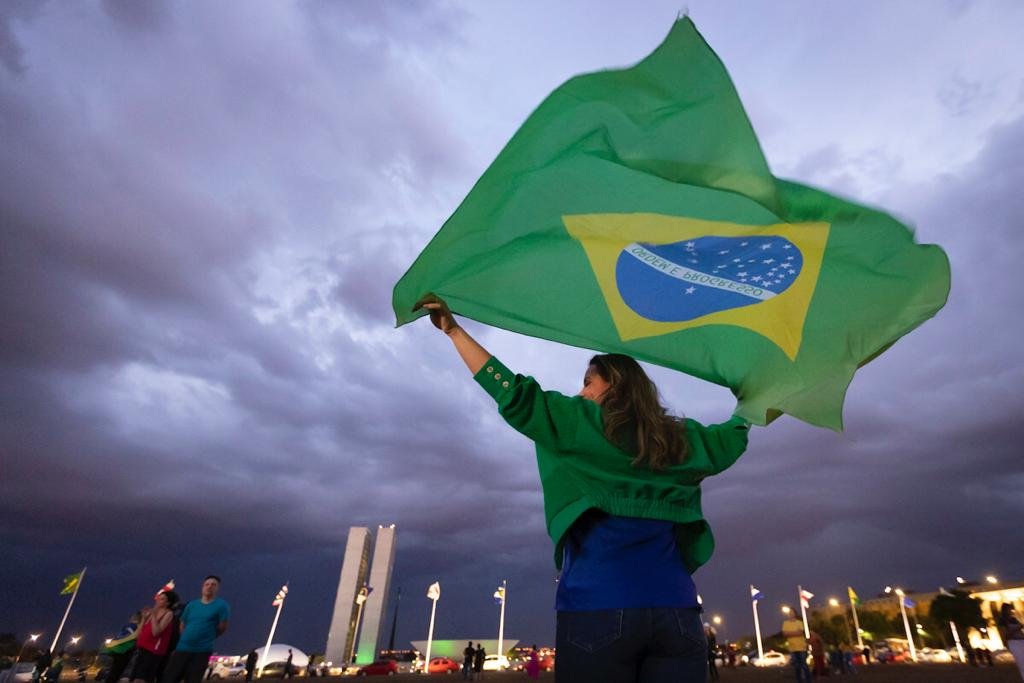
473, 355
547, 417
161, 622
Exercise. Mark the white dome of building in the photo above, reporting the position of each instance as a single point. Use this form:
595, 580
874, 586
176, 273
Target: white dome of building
279, 653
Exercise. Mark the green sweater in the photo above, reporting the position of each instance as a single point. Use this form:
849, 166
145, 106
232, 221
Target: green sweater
580, 469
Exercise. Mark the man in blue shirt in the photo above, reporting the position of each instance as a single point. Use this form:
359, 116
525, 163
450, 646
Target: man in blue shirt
201, 622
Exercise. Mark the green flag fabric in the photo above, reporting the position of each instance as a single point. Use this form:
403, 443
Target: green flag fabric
122, 644
634, 212
71, 582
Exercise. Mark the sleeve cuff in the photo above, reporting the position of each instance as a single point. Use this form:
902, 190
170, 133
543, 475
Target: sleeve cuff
495, 378
739, 422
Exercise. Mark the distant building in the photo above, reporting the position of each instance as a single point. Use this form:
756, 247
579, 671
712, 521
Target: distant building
992, 595
453, 647
374, 611
356, 572
888, 605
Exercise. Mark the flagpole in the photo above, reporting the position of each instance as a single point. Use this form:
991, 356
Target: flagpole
430, 636
78, 584
803, 611
270, 638
906, 624
501, 621
355, 631
856, 622
956, 639
757, 630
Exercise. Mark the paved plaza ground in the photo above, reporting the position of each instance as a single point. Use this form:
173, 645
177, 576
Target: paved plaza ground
879, 673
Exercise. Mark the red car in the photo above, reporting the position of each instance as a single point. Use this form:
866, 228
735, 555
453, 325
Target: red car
382, 667
443, 665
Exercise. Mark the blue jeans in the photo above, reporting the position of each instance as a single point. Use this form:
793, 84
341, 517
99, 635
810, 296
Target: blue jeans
800, 668
644, 645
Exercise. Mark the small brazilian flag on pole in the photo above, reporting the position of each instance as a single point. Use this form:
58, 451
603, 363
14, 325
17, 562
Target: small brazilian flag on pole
854, 600
634, 212
71, 582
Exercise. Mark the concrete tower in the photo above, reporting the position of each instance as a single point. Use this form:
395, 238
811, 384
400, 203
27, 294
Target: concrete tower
354, 571
375, 609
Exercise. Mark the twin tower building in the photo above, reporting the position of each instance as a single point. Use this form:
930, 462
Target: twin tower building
362, 617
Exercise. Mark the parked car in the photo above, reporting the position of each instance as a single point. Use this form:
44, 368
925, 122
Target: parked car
770, 658
885, 655
225, 670
276, 670
443, 665
19, 673
496, 663
518, 662
382, 667
409, 661
931, 654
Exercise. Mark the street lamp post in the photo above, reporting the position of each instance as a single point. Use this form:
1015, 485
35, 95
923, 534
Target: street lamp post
31, 639
835, 603
502, 591
756, 595
906, 624
279, 604
361, 596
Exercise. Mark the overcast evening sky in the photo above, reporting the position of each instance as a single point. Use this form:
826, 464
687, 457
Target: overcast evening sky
203, 210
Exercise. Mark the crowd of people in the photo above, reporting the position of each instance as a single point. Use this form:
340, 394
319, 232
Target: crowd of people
171, 642
166, 642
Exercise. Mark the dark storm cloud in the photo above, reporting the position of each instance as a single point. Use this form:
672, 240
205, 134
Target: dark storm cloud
12, 14
175, 222
144, 16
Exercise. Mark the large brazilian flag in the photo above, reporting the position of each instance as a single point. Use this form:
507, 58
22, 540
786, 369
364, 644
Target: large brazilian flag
634, 212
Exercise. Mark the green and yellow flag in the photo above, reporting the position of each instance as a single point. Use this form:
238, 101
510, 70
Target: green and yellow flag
634, 212
854, 600
71, 582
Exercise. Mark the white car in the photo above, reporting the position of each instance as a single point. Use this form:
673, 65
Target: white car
496, 663
931, 654
225, 670
19, 673
772, 658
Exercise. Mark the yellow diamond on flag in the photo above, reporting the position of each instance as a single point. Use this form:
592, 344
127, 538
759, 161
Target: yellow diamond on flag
661, 274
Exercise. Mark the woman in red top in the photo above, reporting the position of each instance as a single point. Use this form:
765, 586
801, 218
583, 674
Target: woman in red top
154, 637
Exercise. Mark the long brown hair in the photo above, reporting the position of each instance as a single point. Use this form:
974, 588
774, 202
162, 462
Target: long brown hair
634, 419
